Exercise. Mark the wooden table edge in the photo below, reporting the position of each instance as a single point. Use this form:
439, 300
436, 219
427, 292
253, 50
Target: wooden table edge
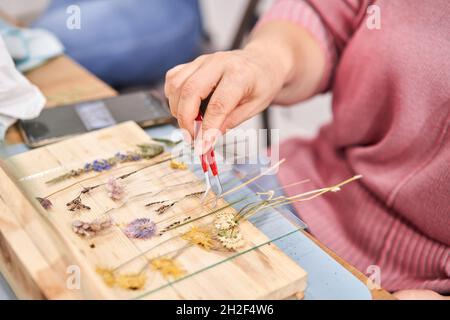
377, 294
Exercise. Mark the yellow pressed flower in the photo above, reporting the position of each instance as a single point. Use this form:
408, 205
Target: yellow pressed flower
127, 281
107, 276
168, 267
131, 281
178, 165
201, 237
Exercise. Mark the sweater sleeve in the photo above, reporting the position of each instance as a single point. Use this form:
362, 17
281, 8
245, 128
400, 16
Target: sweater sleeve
331, 22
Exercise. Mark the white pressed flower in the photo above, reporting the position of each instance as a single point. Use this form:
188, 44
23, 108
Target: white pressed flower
224, 221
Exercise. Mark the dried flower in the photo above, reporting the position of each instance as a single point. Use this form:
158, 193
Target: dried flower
88, 229
115, 188
168, 267
162, 209
150, 150
45, 203
127, 281
224, 220
131, 281
76, 204
174, 224
107, 276
155, 202
146, 151
141, 228
178, 165
201, 237
231, 239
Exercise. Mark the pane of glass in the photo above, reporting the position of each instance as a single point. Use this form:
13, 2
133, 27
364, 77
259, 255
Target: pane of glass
147, 195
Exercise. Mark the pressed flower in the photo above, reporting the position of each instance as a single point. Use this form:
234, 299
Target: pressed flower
174, 224
107, 276
141, 228
115, 188
162, 209
146, 151
131, 281
224, 220
231, 239
169, 268
45, 203
126, 281
155, 203
201, 237
88, 229
77, 205
150, 150
178, 165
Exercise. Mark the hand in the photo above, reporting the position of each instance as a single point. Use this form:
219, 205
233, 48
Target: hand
419, 295
245, 82
281, 63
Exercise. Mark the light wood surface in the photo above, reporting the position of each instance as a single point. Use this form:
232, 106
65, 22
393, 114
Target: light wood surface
63, 81
261, 272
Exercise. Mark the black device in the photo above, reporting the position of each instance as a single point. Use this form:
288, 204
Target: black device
146, 108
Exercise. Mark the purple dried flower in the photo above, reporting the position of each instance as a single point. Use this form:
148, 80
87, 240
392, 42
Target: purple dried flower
141, 228
120, 156
136, 157
45, 203
100, 165
115, 189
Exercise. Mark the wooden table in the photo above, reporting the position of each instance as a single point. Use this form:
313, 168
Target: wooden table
63, 81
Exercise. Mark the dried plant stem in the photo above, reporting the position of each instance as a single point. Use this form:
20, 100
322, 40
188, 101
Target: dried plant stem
104, 173
206, 215
280, 201
108, 211
254, 179
169, 157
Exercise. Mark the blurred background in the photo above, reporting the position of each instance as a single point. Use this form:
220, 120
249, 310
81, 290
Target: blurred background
130, 44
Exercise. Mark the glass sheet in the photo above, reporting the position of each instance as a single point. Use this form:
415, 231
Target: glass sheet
137, 255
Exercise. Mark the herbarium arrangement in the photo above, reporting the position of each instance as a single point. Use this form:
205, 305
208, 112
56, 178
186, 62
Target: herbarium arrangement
215, 230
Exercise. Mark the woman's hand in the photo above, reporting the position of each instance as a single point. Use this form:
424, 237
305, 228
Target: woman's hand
244, 81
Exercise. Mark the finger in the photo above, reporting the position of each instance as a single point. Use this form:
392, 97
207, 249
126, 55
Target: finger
194, 90
240, 114
226, 97
175, 79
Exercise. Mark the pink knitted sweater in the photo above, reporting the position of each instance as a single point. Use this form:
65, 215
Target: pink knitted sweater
391, 106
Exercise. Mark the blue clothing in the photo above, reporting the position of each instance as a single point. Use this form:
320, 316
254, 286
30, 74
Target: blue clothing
128, 42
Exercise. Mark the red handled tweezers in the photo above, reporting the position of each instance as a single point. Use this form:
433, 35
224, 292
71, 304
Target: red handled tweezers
208, 160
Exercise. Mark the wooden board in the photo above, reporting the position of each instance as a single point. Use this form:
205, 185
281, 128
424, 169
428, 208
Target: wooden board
38, 246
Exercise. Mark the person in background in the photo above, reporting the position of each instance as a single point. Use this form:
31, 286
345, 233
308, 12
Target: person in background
128, 43
391, 105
